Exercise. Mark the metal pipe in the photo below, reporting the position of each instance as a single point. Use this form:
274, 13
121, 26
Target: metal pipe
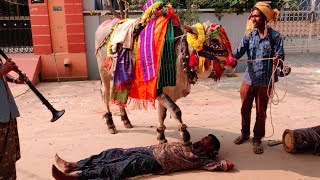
54, 56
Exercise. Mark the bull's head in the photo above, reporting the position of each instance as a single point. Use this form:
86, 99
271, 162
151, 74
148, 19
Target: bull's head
210, 42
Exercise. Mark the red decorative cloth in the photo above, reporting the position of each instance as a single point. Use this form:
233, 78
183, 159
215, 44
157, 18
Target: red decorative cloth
218, 70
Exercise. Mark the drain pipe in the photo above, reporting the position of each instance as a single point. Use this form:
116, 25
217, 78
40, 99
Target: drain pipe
55, 61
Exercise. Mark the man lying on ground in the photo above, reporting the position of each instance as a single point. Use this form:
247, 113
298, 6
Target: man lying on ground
118, 163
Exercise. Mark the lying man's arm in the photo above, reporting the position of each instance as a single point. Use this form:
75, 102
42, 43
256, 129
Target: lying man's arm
222, 165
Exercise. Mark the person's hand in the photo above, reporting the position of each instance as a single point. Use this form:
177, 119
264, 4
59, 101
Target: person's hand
20, 80
9, 66
24, 78
276, 61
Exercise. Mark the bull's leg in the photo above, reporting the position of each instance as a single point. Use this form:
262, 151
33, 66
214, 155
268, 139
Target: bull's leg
162, 113
124, 118
105, 91
175, 111
109, 121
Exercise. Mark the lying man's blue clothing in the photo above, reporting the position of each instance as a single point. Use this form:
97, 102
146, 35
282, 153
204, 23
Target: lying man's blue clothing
119, 163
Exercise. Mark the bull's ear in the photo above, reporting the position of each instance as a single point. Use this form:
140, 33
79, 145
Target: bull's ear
190, 29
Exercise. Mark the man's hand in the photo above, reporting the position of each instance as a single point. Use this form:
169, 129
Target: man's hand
276, 61
23, 79
20, 80
8, 66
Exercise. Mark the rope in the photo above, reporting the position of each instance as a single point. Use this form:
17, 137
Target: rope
180, 36
271, 85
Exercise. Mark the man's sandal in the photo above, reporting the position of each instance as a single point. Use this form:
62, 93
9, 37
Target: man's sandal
257, 148
241, 139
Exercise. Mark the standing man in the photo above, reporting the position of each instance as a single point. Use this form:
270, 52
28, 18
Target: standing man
9, 139
260, 42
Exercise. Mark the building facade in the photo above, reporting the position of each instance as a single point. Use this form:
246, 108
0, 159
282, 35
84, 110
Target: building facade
51, 29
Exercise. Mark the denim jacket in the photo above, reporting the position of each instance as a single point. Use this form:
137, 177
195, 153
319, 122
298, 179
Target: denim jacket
258, 73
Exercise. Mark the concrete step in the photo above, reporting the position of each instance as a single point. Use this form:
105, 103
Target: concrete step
29, 64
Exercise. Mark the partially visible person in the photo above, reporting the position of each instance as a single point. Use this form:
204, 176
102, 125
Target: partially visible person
118, 163
260, 42
9, 138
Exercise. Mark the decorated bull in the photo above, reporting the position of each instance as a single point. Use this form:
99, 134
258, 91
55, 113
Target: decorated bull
150, 59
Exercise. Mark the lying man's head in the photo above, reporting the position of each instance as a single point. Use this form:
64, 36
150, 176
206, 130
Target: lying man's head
210, 145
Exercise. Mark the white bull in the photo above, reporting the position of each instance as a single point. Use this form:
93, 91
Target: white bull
166, 100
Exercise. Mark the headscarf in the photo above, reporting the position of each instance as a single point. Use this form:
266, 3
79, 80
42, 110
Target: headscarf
271, 15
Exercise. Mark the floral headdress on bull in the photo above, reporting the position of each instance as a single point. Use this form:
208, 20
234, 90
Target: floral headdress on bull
209, 42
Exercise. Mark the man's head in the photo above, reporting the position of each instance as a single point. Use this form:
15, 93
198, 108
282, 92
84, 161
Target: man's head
260, 15
258, 18
210, 145
269, 13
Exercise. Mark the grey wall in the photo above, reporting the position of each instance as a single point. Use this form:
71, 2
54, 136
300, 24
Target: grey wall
91, 23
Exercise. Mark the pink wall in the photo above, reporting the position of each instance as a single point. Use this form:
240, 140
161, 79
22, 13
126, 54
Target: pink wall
58, 37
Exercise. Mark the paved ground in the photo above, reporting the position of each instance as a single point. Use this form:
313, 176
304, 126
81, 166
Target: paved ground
210, 108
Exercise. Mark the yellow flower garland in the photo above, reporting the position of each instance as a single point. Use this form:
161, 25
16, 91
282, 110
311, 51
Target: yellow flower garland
150, 10
196, 40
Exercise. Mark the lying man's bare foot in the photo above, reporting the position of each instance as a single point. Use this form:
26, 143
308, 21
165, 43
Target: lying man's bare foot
58, 175
65, 166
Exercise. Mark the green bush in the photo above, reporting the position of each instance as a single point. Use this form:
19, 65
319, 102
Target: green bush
188, 11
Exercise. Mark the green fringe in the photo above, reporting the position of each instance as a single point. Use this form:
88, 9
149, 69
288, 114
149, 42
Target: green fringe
167, 72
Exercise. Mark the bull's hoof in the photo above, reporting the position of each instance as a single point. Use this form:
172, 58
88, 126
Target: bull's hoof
113, 130
185, 138
111, 127
160, 135
126, 121
127, 124
185, 135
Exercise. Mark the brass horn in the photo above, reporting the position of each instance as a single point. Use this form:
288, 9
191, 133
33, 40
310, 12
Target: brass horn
55, 114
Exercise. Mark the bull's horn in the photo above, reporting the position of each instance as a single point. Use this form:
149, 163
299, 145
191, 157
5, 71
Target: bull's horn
189, 29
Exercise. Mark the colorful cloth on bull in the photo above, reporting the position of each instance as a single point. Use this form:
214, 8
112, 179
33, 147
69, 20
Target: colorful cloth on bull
111, 24
123, 34
120, 61
154, 65
167, 72
122, 78
145, 91
147, 51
